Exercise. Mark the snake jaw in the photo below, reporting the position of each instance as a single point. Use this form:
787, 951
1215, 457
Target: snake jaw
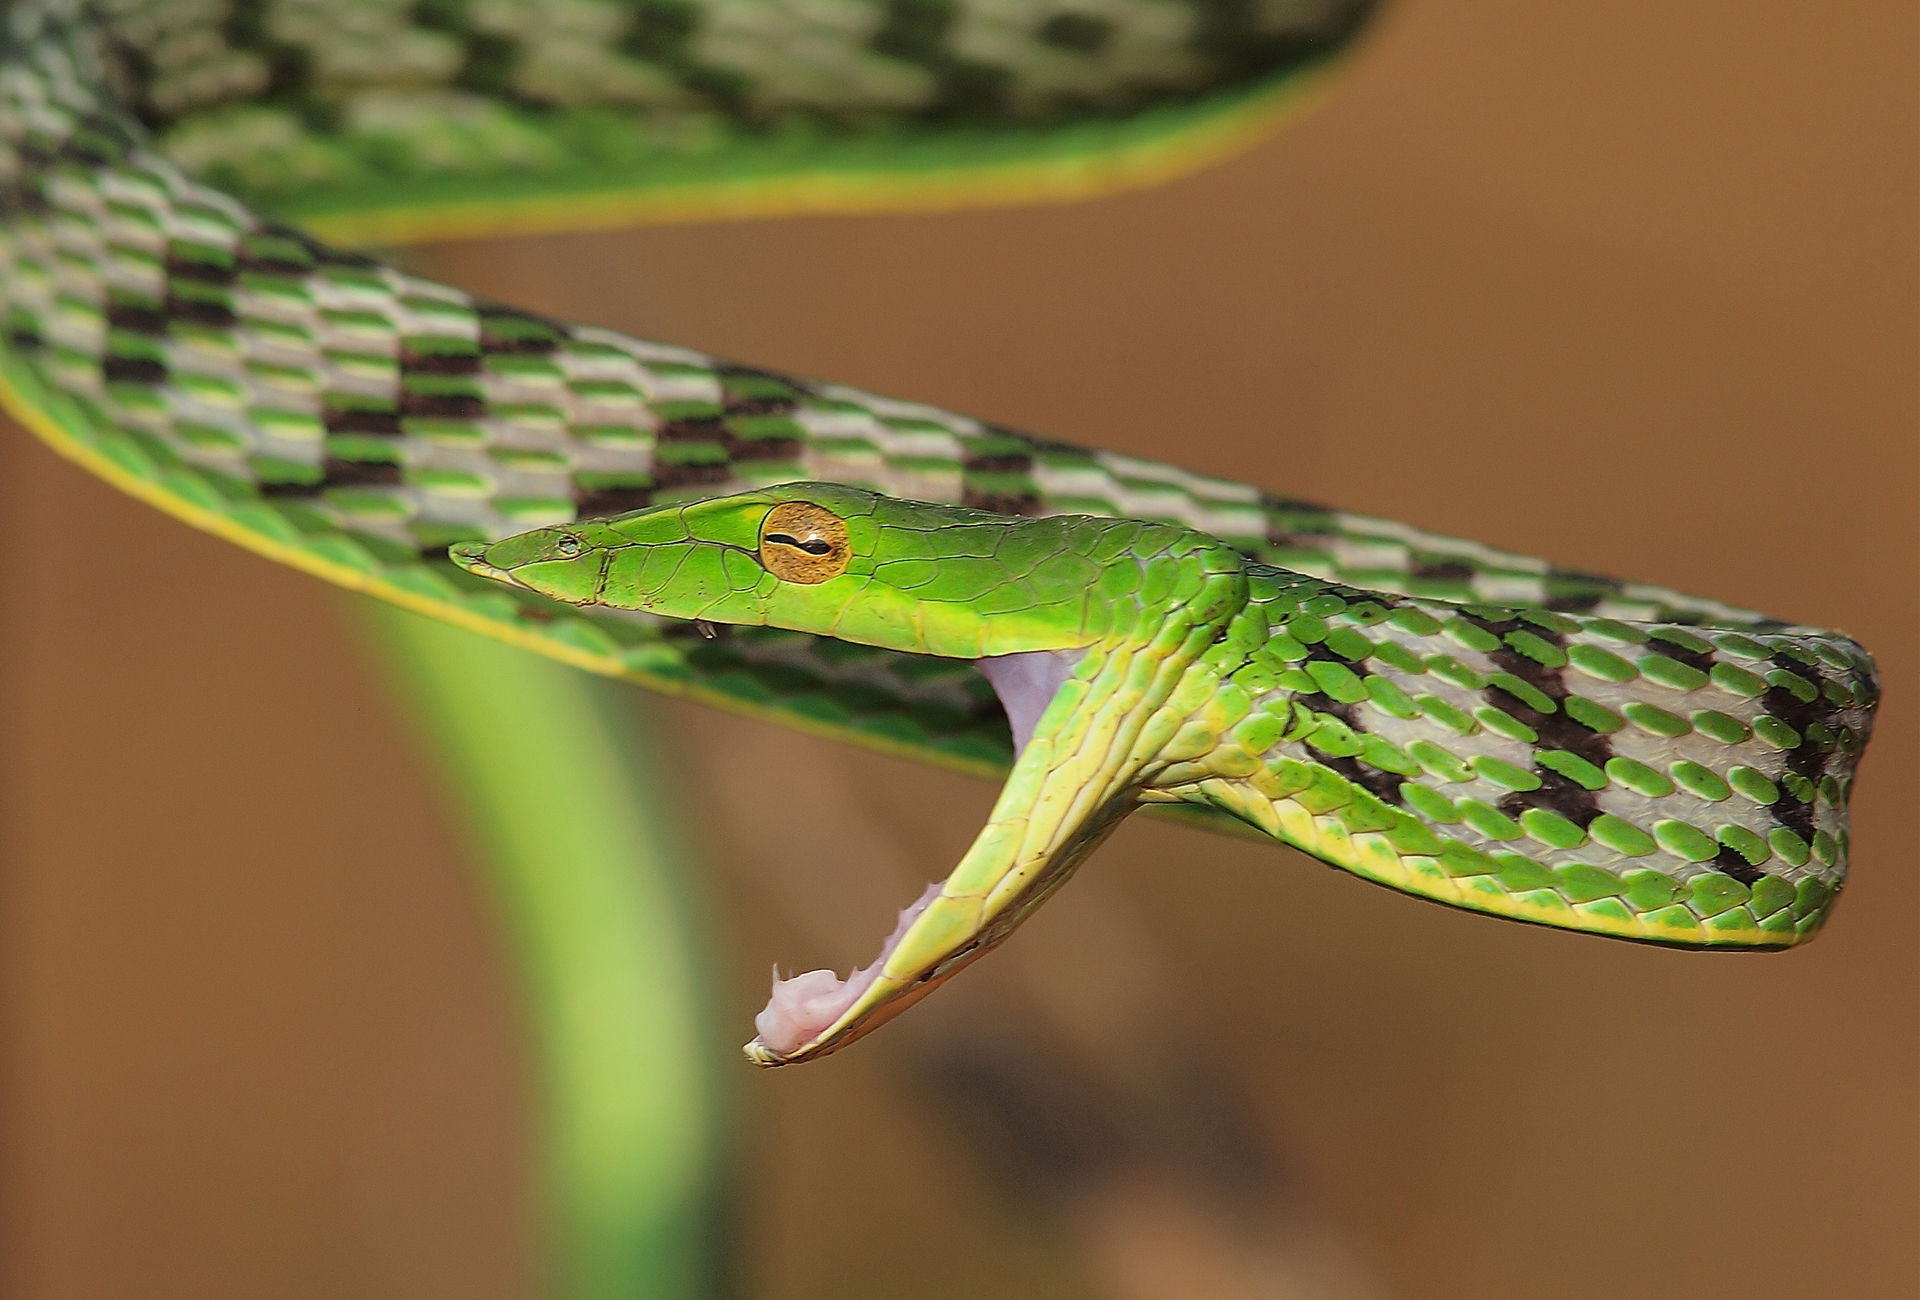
815, 1013
939, 935
1066, 792
935, 938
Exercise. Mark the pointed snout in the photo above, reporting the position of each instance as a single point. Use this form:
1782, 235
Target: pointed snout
472, 556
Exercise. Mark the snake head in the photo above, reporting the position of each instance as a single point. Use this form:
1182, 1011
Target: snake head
822, 558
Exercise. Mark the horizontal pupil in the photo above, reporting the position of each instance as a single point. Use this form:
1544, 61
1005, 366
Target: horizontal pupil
812, 546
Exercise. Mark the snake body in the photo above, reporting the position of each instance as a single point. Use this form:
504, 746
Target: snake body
1468, 725
1573, 769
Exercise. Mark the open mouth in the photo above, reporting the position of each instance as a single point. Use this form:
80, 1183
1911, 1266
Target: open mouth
817, 1012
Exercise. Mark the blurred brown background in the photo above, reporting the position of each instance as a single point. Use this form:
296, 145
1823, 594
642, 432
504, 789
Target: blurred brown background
1632, 286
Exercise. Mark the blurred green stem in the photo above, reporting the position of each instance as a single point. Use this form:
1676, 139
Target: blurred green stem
549, 767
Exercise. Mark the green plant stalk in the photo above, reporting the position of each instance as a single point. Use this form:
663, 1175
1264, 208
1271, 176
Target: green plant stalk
549, 766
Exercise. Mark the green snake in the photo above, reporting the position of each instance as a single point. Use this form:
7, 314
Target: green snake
1467, 725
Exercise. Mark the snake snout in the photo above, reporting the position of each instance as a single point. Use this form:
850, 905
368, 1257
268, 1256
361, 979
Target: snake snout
472, 556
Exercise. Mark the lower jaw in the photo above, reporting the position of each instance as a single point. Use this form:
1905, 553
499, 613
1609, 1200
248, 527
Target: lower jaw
759, 1054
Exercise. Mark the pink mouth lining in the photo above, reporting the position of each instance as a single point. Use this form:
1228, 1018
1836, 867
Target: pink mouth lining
804, 1007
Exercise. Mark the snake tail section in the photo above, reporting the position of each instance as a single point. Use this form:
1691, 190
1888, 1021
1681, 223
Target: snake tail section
1463, 723
391, 120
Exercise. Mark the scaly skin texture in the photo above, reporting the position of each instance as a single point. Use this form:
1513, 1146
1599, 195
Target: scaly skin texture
1645, 780
1465, 724
386, 120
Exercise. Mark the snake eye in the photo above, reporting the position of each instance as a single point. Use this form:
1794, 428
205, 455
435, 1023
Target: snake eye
568, 545
804, 543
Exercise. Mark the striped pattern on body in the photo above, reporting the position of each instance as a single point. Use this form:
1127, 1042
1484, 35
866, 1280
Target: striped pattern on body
389, 120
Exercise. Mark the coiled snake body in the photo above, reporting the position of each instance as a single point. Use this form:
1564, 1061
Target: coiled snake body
1474, 727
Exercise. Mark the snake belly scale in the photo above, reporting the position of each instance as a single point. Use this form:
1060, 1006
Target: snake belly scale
1467, 725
